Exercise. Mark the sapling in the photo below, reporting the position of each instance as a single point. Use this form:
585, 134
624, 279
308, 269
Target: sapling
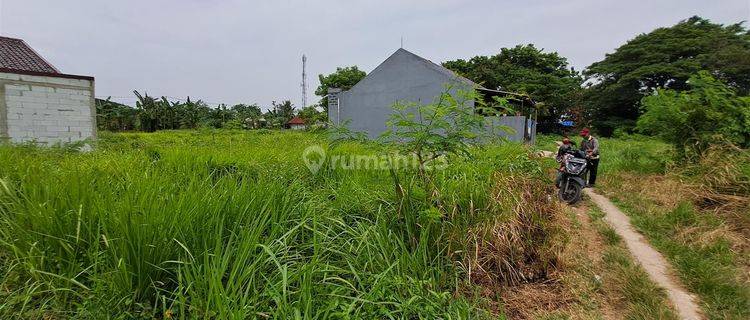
429, 132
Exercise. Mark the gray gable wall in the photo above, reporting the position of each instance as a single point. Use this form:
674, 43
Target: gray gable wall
404, 77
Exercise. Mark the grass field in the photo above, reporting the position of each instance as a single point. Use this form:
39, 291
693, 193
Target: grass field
701, 229
225, 224
220, 224
697, 215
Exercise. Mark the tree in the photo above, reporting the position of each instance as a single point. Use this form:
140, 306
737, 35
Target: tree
151, 114
218, 116
114, 116
311, 115
148, 112
280, 113
192, 114
343, 78
664, 58
429, 131
707, 113
249, 115
545, 76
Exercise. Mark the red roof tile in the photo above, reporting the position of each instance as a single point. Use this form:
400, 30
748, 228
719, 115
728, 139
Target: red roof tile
15, 54
296, 120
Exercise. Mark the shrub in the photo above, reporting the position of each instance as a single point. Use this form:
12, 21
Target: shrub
708, 113
221, 224
234, 124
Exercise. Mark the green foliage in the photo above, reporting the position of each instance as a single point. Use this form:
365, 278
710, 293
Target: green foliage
709, 113
545, 76
689, 212
343, 78
664, 58
279, 114
627, 153
311, 115
708, 267
233, 124
223, 224
148, 111
114, 116
430, 131
152, 114
248, 115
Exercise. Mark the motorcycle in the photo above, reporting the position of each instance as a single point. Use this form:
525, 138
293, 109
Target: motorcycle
570, 178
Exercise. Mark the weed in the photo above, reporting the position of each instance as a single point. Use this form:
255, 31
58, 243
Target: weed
231, 224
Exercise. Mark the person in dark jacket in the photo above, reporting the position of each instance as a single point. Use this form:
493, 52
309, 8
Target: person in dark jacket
564, 148
590, 145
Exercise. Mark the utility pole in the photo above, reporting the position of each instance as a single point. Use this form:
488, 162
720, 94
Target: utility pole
304, 81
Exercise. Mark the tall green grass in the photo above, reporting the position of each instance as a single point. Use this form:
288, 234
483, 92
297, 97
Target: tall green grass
232, 225
694, 239
628, 153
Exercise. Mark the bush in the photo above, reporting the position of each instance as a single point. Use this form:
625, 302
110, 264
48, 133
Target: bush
710, 112
225, 224
234, 124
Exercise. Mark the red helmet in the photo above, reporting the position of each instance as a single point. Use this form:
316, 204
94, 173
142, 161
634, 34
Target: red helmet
584, 132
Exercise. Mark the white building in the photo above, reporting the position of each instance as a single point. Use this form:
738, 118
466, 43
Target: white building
38, 102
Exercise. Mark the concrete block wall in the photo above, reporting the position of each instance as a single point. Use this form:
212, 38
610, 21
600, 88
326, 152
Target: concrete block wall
46, 109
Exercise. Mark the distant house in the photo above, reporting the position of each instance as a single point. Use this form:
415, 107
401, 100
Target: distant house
297, 123
38, 102
406, 77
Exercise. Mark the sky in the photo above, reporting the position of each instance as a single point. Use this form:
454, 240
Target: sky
233, 51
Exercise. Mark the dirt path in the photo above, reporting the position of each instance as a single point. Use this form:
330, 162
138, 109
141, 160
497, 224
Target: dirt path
651, 260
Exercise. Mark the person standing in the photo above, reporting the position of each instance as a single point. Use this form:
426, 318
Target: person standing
590, 145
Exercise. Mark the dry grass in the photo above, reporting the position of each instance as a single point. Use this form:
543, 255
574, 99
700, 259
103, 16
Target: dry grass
666, 192
599, 280
572, 292
722, 170
517, 263
530, 300
703, 230
524, 246
546, 260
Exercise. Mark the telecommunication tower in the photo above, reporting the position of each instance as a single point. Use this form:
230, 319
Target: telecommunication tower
304, 81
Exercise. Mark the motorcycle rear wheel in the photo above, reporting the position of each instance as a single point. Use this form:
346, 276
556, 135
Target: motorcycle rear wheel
572, 194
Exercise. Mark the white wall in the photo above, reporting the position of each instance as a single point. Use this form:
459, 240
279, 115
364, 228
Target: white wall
46, 109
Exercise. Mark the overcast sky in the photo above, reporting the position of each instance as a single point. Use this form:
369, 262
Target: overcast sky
232, 51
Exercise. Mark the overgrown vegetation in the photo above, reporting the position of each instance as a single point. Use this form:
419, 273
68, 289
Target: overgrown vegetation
151, 114
219, 224
545, 76
695, 214
343, 78
625, 280
664, 59
708, 114
225, 224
